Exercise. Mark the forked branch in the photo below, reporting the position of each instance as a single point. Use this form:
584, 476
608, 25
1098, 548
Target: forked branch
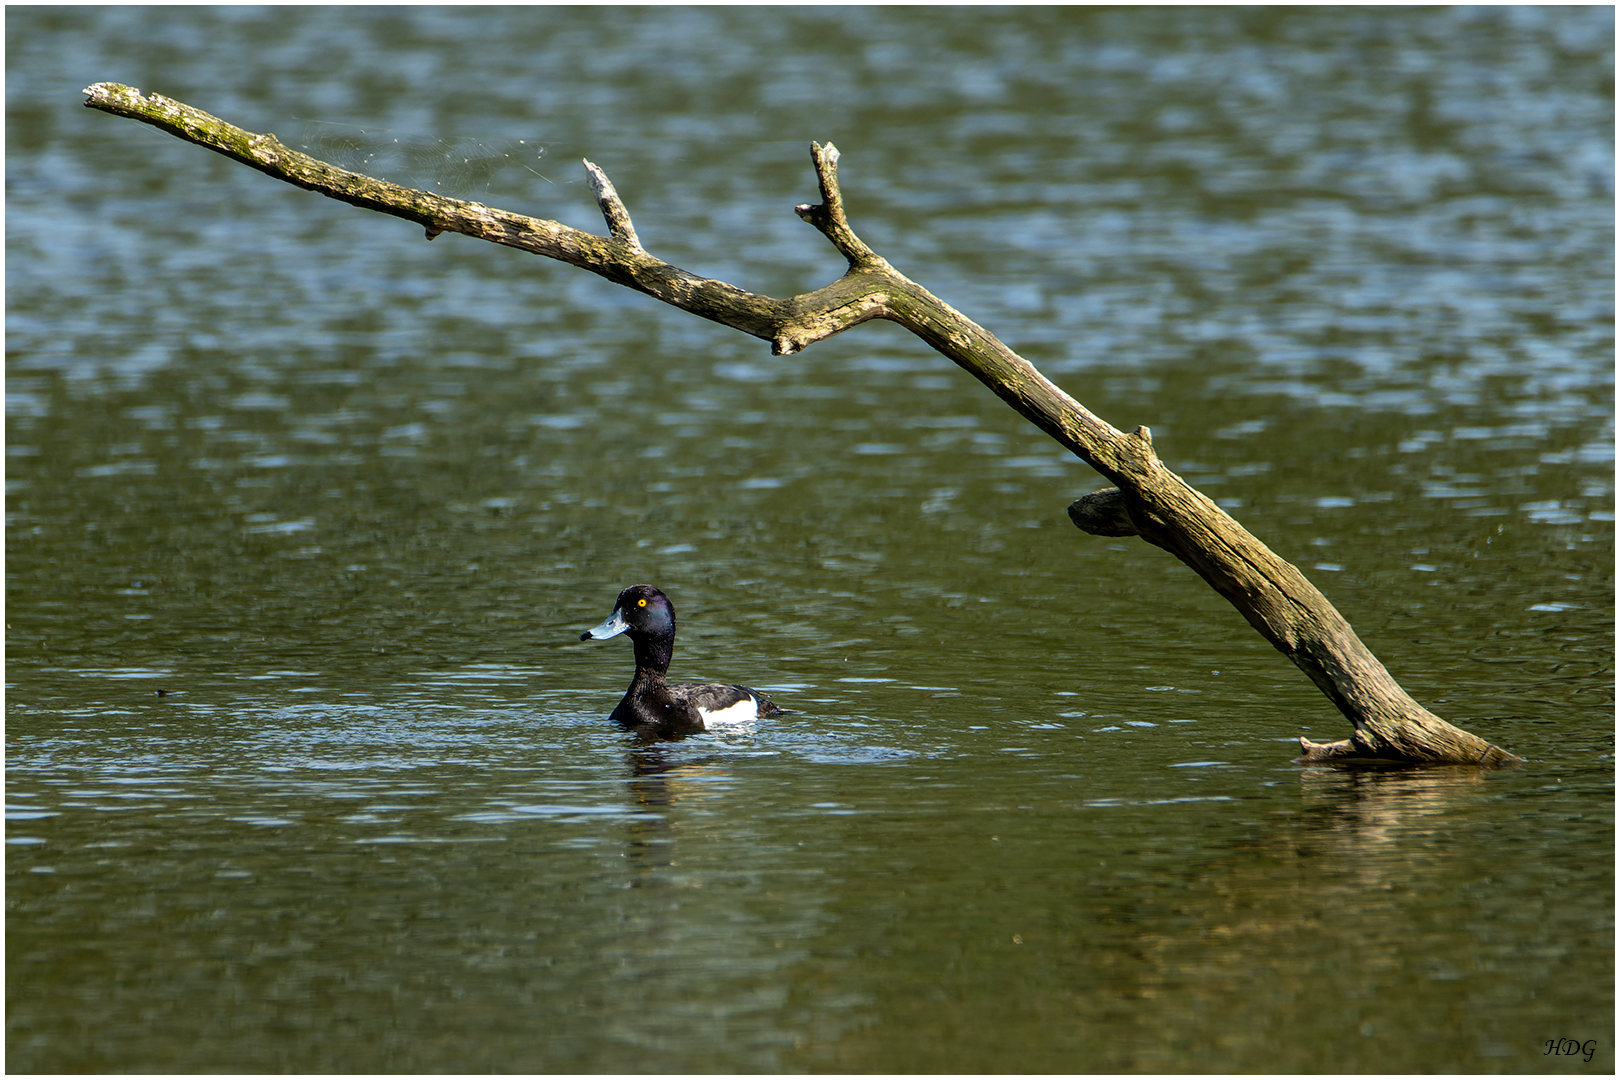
1148, 500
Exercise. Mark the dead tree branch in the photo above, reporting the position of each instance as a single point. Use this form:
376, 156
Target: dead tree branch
1148, 500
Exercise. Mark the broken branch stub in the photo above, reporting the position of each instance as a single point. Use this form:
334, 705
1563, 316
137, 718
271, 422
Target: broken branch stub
1148, 500
613, 209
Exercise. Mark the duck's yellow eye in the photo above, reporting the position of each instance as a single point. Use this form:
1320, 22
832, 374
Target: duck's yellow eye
642, 602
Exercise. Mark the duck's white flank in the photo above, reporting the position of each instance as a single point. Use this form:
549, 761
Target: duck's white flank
745, 710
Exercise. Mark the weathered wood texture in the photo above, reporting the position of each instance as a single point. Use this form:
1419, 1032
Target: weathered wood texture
1148, 500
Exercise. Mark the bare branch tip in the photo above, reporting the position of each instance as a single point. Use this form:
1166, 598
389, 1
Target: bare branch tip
824, 154
102, 92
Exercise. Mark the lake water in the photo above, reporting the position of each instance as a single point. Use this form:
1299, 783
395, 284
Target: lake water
349, 498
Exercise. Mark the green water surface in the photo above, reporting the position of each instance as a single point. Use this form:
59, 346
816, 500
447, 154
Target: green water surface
348, 498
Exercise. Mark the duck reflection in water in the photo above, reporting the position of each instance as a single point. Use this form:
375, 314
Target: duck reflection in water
657, 781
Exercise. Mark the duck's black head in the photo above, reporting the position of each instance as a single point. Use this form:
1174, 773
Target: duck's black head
647, 616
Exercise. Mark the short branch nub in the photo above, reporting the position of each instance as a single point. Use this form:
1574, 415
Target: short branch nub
612, 207
1103, 513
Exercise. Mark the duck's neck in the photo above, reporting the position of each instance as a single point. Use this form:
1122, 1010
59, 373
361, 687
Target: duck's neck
653, 656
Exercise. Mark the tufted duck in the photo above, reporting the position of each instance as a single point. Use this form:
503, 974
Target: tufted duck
653, 708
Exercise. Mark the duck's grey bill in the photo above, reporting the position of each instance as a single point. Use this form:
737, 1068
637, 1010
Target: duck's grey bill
612, 626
